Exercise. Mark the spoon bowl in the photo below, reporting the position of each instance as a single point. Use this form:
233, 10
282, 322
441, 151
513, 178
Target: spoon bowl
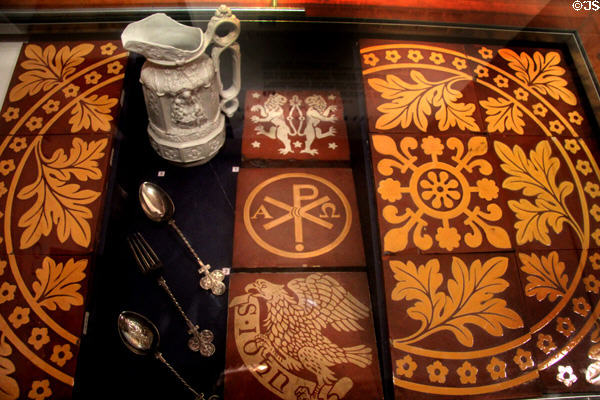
138, 333
156, 203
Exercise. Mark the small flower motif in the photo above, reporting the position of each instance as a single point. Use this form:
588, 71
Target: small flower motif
3, 189
440, 188
61, 354
71, 90
592, 284
415, 55
390, 190
7, 292
10, 114
572, 145
583, 166
370, 59
108, 49
592, 189
34, 123
556, 127
595, 260
581, 307
564, 326
523, 359
40, 390
437, 372
482, 72
539, 110
432, 146
596, 236
487, 189
486, 53
521, 94
467, 373
545, 343
496, 368
19, 317
459, 63
115, 67
6, 166
575, 118
392, 56
437, 58
448, 238
595, 212
566, 376
51, 106
92, 78
406, 366
38, 337
501, 81
19, 143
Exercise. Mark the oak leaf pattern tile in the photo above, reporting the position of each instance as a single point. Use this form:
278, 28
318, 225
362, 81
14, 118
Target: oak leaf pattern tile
58, 283
9, 387
546, 276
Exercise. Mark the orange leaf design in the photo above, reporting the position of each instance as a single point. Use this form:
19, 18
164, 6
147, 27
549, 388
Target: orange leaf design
545, 276
542, 74
47, 68
503, 114
94, 112
470, 299
58, 284
9, 388
58, 202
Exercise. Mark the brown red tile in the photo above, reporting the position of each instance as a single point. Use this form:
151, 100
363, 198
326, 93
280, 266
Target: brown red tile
294, 125
439, 194
458, 327
65, 87
51, 192
419, 87
41, 318
296, 217
321, 343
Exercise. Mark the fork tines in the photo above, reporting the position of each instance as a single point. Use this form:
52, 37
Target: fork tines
145, 257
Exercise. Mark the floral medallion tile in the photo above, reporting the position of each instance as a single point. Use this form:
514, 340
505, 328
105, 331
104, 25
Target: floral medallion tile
41, 318
51, 192
296, 217
294, 125
301, 336
457, 326
529, 91
419, 87
439, 194
65, 87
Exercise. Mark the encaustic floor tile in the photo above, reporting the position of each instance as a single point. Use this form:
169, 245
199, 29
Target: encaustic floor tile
552, 188
319, 343
65, 87
296, 217
419, 87
439, 194
294, 125
528, 91
51, 192
41, 319
457, 326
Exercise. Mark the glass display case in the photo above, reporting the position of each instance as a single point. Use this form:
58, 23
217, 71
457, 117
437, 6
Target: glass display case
403, 205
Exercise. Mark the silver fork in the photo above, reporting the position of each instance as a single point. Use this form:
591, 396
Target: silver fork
150, 264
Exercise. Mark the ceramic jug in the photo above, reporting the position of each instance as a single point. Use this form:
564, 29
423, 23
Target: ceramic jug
182, 85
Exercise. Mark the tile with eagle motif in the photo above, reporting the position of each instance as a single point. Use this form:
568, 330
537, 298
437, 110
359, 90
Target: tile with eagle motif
294, 125
296, 217
301, 336
65, 87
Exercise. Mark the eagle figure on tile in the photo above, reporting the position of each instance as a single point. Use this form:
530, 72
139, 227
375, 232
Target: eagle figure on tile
293, 334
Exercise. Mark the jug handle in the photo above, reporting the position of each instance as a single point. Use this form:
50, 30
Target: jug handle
229, 101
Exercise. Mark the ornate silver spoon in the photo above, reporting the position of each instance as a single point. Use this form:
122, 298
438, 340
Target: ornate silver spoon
141, 337
159, 207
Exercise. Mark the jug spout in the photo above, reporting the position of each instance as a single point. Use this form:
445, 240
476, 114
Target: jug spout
164, 41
